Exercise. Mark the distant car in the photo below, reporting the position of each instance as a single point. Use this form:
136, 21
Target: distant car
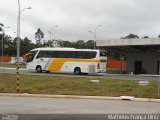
12, 62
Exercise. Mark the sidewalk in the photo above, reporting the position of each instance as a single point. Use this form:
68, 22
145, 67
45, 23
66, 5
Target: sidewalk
129, 98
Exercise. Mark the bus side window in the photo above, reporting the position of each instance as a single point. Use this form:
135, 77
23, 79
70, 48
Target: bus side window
41, 54
79, 54
69, 54
49, 54
90, 55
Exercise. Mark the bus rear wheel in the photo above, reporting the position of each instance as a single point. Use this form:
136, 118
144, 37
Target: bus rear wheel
39, 69
77, 71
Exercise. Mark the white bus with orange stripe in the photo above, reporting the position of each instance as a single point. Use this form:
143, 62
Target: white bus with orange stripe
70, 60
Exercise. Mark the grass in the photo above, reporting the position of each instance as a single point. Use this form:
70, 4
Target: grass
113, 71
12, 65
77, 86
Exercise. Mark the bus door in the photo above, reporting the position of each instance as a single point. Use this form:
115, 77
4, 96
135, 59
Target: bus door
42, 60
103, 60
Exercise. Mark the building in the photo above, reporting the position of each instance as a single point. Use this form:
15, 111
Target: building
142, 55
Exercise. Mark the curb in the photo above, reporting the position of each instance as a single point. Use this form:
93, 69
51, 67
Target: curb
82, 97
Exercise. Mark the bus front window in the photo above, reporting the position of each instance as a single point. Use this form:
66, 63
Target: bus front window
30, 56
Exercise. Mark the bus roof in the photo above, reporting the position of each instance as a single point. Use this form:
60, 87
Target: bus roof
62, 49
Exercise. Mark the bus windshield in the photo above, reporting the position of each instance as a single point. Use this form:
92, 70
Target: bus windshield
30, 56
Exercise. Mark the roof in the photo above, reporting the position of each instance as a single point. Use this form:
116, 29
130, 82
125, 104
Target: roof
64, 48
128, 42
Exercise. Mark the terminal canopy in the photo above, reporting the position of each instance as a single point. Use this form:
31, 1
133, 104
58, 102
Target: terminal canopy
131, 45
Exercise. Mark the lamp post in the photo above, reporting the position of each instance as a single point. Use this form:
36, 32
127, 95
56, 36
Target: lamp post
94, 35
2, 42
18, 40
51, 33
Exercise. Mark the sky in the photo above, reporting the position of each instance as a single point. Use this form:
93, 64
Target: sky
73, 19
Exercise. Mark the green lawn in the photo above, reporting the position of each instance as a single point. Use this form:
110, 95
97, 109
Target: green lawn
76, 86
12, 65
114, 71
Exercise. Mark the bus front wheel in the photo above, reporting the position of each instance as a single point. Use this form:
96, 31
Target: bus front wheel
77, 71
39, 69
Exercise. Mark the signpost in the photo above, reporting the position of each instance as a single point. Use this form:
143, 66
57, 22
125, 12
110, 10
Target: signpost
122, 59
159, 81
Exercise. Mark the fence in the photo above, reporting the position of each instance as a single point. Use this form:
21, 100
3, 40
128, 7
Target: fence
116, 64
5, 59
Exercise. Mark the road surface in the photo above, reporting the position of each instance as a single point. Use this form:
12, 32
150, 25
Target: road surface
98, 75
36, 105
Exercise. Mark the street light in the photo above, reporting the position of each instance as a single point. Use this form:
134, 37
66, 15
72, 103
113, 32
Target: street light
2, 44
2, 40
51, 34
94, 35
18, 40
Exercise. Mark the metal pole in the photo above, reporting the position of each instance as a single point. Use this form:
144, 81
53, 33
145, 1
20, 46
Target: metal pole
2, 43
95, 40
2, 54
18, 41
52, 35
159, 80
18, 45
95, 36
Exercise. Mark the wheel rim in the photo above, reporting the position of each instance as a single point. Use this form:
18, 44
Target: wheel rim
77, 71
39, 69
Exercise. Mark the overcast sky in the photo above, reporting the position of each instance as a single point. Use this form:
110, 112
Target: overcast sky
76, 17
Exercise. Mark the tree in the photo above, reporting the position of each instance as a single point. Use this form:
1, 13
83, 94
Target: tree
38, 36
66, 44
48, 43
7, 42
26, 46
80, 44
90, 44
130, 36
1, 27
1, 34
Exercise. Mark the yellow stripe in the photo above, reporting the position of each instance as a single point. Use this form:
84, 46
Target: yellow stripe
57, 64
102, 60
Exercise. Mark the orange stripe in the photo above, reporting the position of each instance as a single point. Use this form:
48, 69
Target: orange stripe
57, 64
103, 60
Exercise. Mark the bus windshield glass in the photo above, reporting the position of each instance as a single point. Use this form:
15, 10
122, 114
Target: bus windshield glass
30, 56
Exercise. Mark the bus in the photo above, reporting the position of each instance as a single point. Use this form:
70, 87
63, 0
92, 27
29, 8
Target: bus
70, 60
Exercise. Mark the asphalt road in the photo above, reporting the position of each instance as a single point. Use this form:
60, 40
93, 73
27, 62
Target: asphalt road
98, 75
35, 105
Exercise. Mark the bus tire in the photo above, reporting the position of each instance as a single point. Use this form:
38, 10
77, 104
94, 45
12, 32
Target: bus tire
39, 69
77, 71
